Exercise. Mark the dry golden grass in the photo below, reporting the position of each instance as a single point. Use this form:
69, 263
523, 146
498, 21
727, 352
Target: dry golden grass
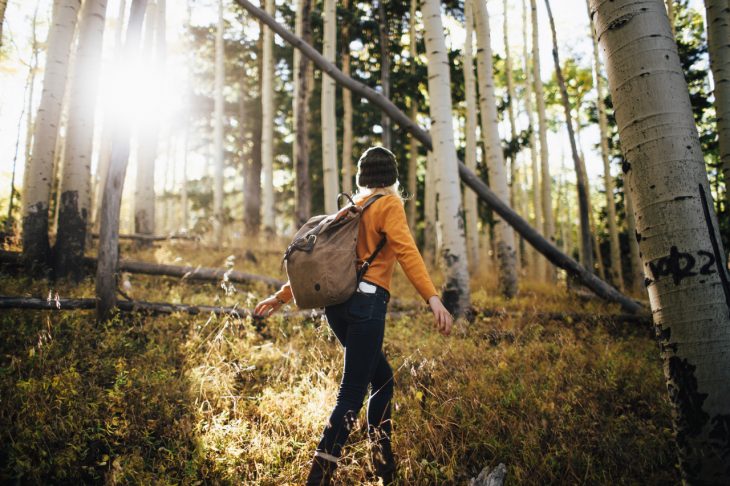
212, 400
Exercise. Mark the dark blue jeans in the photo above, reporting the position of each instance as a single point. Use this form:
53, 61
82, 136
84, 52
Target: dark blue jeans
359, 324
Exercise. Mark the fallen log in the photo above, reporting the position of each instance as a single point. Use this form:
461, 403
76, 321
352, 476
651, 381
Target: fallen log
184, 272
7, 302
471, 180
139, 237
495, 477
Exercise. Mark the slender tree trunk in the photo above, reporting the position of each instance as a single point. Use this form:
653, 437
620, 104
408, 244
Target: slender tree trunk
637, 271
218, 131
580, 171
676, 228
39, 168
718, 39
616, 273
75, 200
329, 125
504, 235
105, 149
184, 183
514, 185
456, 287
470, 199
412, 204
347, 108
538, 263
3, 6
384, 69
253, 173
145, 217
548, 224
430, 196
670, 14
267, 128
107, 267
304, 88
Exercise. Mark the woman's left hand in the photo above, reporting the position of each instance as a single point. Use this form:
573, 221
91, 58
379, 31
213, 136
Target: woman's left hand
267, 307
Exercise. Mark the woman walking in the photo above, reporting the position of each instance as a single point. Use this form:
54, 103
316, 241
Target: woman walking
359, 322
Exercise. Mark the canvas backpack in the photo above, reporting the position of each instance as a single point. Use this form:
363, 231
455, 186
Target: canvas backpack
321, 261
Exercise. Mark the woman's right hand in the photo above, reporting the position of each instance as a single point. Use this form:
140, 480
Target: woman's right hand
267, 306
441, 315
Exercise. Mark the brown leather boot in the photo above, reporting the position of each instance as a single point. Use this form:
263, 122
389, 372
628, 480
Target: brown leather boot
321, 472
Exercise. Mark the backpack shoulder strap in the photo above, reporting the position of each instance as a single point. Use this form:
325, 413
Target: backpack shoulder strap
371, 200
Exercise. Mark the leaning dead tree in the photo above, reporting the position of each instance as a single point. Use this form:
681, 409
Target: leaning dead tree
549, 250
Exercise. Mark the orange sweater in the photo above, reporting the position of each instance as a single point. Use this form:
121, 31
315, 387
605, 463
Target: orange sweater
386, 216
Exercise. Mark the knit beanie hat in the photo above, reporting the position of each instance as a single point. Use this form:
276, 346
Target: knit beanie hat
377, 168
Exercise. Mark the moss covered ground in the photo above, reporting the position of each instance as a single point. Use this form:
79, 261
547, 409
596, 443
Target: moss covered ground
182, 399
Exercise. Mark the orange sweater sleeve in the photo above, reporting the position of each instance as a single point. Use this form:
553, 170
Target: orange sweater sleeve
284, 293
394, 225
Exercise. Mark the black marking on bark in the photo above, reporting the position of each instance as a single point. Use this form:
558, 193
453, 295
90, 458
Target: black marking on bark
625, 166
71, 238
450, 298
715, 247
653, 186
682, 198
638, 236
720, 438
677, 264
621, 21
647, 282
690, 418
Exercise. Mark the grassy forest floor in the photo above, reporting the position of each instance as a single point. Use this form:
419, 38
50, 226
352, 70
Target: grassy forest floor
220, 400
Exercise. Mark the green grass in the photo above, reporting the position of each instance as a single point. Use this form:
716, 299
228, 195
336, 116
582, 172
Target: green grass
206, 400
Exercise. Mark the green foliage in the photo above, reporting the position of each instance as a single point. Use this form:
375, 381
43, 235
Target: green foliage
192, 400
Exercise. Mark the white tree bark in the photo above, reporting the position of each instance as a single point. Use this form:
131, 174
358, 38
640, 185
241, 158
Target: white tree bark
504, 236
430, 193
218, 131
453, 253
637, 271
470, 199
616, 272
537, 261
39, 169
718, 39
676, 227
514, 178
384, 70
145, 213
413, 113
548, 226
75, 190
347, 111
267, 129
329, 124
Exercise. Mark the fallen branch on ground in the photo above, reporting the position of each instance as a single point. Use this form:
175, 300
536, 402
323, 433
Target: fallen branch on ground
185, 272
153, 237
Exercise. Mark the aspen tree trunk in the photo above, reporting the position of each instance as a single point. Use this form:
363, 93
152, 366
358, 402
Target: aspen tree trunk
579, 165
144, 194
267, 127
75, 190
252, 214
184, 183
504, 236
411, 205
470, 199
329, 125
30, 86
303, 91
3, 6
453, 253
548, 226
537, 261
677, 228
718, 39
347, 108
108, 261
105, 149
616, 272
514, 185
384, 70
39, 169
218, 131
